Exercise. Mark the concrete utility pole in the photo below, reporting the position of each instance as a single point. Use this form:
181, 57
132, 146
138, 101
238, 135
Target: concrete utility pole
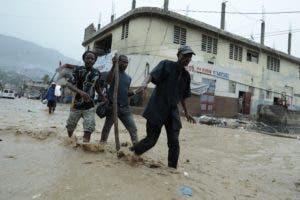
290, 42
112, 17
133, 4
187, 10
262, 27
223, 15
262, 32
166, 5
99, 22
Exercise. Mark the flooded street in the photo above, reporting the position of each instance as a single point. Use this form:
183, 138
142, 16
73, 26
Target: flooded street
38, 161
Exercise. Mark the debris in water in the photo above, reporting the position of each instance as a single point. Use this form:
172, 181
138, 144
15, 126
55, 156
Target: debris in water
11, 156
36, 196
186, 174
124, 144
155, 165
186, 191
18, 132
120, 154
87, 163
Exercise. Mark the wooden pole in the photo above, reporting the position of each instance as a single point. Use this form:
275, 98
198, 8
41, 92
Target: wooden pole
115, 103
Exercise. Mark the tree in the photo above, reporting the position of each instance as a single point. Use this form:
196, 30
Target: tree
46, 78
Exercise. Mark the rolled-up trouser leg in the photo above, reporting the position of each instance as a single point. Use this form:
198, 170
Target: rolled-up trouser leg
106, 127
127, 120
153, 132
173, 143
73, 119
89, 120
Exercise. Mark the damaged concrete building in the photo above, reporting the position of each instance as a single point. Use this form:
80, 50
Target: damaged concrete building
236, 74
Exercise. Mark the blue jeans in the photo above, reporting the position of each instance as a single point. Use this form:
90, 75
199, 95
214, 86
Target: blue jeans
126, 117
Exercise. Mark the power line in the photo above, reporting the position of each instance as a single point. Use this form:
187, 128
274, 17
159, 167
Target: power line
242, 13
245, 15
275, 33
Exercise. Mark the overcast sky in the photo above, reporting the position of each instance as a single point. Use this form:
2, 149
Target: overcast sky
60, 24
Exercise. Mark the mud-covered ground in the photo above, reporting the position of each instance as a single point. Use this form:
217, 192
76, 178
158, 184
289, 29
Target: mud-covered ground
38, 161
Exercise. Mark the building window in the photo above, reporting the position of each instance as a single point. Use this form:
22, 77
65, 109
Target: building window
209, 44
268, 94
232, 87
179, 35
273, 64
236, 52
125, 28
252, 56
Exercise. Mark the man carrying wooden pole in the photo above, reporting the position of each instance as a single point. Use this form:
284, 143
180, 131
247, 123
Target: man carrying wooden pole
115, 102
118, 94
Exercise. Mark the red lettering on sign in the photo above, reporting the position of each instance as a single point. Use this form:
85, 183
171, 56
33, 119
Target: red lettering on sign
198, 70
206, 71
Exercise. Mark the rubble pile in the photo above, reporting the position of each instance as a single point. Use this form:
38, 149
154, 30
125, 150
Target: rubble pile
250, 125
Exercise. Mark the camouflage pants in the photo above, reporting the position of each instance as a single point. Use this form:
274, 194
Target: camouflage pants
88, 119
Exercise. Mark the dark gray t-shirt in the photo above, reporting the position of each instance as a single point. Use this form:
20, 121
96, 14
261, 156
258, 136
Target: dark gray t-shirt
124, 84
172, 85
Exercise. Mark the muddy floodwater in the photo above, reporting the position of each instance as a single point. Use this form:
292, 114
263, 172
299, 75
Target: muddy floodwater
38, 161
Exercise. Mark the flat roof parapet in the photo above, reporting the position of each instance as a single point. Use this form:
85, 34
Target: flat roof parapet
154, 11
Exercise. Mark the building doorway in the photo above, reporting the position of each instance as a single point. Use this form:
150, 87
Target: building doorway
276, 101
244, 102
207, 100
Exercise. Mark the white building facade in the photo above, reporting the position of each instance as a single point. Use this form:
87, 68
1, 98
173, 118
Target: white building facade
240, 74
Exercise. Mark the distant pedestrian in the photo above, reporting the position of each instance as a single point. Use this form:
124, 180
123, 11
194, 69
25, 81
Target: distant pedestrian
85, 81
124, 111
172, 86
51, 98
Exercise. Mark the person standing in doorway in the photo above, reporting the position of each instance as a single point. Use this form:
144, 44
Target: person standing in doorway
124, 111
172, 86
241, 104
84, 82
